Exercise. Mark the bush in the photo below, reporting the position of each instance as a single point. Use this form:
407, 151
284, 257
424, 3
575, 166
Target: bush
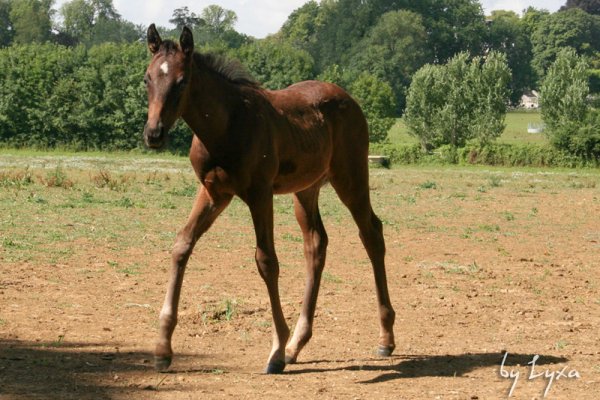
495, 154
571, 121
377, 101
460, 101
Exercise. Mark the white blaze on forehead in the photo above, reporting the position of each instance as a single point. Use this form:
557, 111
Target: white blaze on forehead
164, 67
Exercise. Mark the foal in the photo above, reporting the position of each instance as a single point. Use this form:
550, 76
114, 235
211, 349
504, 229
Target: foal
252, 143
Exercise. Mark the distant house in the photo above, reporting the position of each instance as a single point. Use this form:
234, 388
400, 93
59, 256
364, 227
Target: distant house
530, 99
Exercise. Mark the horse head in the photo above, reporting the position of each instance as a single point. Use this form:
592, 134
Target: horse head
167, 82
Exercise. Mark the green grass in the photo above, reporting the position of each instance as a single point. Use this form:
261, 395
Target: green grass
54, 224
516, 128
514, 133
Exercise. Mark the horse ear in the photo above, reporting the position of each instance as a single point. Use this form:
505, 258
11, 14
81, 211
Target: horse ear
154, 40
186, 41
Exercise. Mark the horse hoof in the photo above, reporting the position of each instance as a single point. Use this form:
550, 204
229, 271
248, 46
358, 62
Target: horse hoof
385, 351
162, 363
275, 367
290, 359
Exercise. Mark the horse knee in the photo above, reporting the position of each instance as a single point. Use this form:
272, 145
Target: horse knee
267, 263
320, 242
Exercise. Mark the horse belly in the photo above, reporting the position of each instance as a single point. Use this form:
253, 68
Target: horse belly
298, 174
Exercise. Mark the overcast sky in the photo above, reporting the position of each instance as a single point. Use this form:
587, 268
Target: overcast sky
259, 18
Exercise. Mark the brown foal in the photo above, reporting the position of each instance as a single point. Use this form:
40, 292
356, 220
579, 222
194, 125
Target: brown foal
252, 143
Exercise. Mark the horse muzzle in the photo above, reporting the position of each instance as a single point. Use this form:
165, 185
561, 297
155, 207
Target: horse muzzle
155, 136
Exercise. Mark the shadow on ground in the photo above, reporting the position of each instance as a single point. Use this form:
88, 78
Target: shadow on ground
410, 366
61, 370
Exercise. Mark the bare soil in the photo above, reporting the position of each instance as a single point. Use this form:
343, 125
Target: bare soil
480, 263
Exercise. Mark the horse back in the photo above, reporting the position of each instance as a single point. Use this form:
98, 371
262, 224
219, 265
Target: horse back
321, 120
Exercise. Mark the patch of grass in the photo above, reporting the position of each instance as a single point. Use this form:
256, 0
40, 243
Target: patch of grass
187, 189
36, 199
508, 216
330, 278
409, 199
9, 243
427, 274
16, 179
226, 310
489, 228
58, 178
291, 237
125, 202
168, 205
104, 179
130, 270
495, 181
155, 178
561, 344
428, 185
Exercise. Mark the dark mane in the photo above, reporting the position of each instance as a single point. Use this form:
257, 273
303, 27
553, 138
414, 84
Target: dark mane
230, 69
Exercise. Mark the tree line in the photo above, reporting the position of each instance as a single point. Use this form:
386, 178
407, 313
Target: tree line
72, 76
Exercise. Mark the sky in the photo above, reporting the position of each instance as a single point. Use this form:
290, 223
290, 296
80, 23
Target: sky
259, 18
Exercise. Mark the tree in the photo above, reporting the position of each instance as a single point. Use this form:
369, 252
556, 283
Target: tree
6, 28
78, 19
334, 74
301, 26
184, 17
453, 26
459, 101
276, 64
218, 20
508, 35
392, 50
589, 6
532, 18
31, 20
95, 21
376, 99
572, 28
571, 123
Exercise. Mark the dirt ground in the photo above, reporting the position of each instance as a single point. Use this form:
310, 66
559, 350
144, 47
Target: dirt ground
481, 264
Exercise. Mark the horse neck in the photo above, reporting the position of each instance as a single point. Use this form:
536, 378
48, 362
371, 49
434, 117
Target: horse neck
209, 106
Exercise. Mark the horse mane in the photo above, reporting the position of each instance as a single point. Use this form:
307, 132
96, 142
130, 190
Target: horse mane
230, 69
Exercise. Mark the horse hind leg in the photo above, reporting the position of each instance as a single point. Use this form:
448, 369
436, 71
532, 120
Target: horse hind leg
353, 190
204, 212
315, 246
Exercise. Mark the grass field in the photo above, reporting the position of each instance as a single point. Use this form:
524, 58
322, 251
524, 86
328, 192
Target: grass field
481, 261
515, 132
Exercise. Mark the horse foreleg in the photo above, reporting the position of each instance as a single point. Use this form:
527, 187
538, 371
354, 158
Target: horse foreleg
261, 208
315, 246
206, 209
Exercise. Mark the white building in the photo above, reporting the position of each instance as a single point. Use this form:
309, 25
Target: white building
530, 99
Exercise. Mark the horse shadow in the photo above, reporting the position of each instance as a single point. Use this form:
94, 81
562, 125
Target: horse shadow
413, 366
65, 370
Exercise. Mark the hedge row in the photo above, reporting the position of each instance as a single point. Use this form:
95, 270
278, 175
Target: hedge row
495, 154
